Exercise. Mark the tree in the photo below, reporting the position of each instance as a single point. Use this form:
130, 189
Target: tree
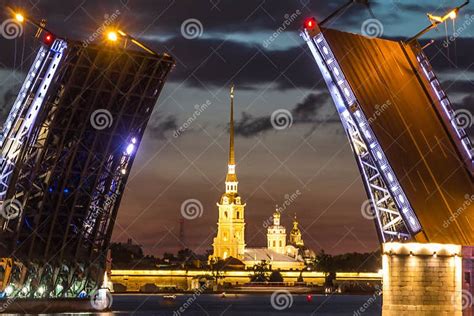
169, 257
276, 276
123, 256
260, 272
216, 267
300, 278
185, 255
324, 262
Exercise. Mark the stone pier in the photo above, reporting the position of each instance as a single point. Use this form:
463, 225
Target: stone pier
427, 279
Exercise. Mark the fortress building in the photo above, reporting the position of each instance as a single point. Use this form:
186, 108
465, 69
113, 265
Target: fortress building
230, 239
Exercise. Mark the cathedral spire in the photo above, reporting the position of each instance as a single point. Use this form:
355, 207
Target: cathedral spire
231, 140
231, 178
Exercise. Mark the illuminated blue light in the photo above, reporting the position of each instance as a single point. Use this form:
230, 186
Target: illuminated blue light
130, 149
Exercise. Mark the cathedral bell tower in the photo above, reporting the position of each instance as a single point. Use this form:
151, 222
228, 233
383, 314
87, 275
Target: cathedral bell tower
276, 235
295, 234
230, 239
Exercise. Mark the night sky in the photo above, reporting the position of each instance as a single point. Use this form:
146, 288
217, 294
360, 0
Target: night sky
216, 43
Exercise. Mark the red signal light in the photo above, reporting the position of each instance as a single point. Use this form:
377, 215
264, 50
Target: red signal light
310, 23
48, 39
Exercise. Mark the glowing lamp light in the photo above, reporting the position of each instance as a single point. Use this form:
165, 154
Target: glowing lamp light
41, 290
310, 23
19, 17
112, 36
9, 290
48, 39
130, 149
452, 15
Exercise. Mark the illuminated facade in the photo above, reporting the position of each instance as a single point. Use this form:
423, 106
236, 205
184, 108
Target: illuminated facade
67, 149
440, 272
230, 238
276, 235
295, 234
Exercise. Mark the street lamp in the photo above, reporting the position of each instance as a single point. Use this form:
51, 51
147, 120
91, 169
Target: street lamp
19, 17
113, 35
22, 18
436, 20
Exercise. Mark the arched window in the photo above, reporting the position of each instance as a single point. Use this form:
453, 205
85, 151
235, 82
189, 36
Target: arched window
280, 243
238, 214
274, 243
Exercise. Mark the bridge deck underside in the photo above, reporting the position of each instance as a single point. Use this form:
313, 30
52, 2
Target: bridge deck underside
405, 117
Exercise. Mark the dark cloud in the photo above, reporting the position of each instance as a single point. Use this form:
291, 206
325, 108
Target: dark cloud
307, 111
249, 126
7, 100
216, 63
158, 128
458, 86
210, 62
457, 57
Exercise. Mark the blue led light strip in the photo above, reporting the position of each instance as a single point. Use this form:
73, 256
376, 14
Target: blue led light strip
357, 125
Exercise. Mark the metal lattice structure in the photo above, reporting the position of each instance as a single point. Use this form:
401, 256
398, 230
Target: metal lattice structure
411, 191
67, 149
392, 223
